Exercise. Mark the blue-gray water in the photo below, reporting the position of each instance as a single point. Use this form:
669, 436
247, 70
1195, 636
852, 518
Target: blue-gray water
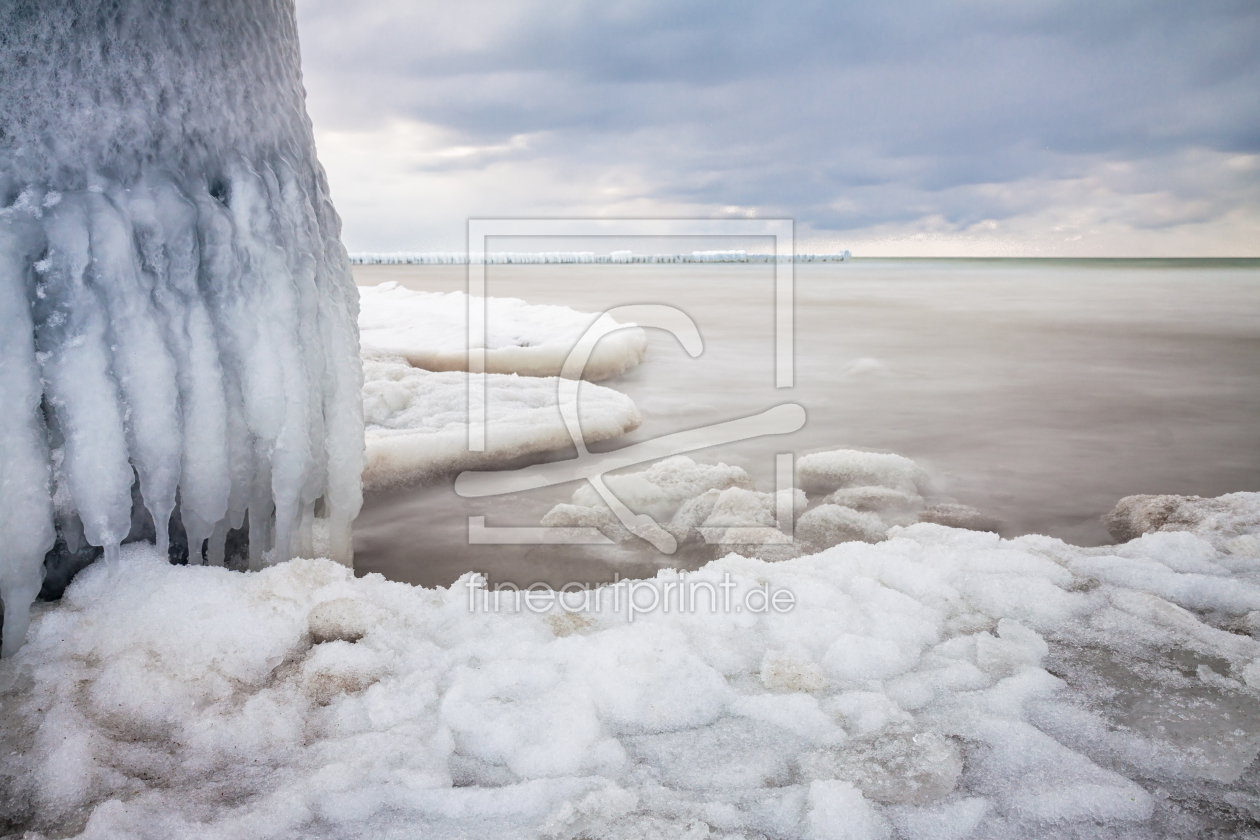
1040, 391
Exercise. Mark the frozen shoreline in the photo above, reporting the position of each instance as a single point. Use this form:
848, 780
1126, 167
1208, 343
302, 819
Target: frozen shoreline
943, 683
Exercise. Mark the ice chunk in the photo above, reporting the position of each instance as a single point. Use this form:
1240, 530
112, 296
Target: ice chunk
698, 504
825, 472
828, 525
747, 521
892, 506
417, 420
661, 489
1225, 518
429, 330
711, 506
960, 516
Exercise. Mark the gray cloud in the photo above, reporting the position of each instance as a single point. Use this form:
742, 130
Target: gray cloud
843, 115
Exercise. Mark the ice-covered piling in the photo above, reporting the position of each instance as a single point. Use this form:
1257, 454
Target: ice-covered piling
176, 308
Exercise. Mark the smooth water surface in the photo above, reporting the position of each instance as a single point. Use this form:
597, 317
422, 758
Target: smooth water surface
1041, 391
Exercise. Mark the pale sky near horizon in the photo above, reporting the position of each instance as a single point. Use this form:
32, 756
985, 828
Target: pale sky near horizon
978, 128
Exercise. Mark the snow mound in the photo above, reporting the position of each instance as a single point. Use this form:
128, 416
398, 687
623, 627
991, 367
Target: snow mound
177, 309
417, 421
429, 330
939, 683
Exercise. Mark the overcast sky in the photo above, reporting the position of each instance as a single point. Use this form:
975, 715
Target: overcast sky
1102, 127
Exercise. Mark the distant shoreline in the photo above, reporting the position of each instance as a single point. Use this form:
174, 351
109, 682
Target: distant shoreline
585, 258
582, 258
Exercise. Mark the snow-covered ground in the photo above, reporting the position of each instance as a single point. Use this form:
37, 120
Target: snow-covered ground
942, 683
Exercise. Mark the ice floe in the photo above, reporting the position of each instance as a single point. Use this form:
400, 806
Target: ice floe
429, 330
417, 420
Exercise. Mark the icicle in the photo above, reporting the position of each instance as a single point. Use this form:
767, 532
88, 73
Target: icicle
261, 514
72, 335
26, 527
215, 547
189, 310
166, 224
143, 366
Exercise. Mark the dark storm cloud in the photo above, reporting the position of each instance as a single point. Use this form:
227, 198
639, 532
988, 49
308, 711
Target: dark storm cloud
840, 114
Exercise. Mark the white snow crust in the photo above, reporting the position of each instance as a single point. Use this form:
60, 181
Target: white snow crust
429, 330
940, 683
417, 420
176, 308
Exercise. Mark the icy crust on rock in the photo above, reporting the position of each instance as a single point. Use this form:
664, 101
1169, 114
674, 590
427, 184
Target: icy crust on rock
941, 683
1230, 522
174, 299
430, 331
417, 421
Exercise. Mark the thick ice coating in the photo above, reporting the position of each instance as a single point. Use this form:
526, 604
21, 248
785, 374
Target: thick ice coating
176, 308
417, 420
940, 683
430, 331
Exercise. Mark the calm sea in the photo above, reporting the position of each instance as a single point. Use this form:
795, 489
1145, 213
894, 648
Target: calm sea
1040, 391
